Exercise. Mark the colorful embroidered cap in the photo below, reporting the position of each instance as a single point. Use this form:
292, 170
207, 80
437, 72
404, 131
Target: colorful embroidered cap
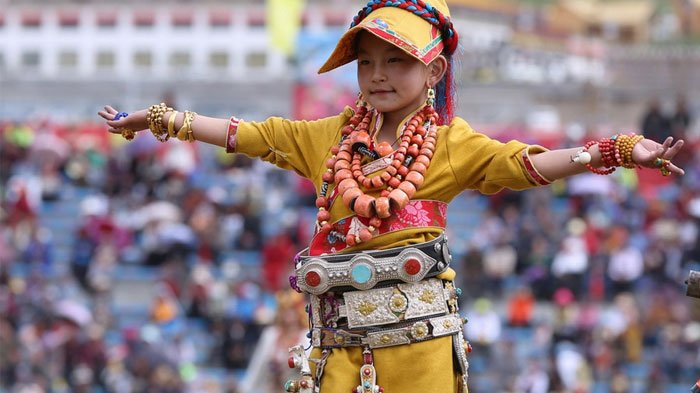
419, 28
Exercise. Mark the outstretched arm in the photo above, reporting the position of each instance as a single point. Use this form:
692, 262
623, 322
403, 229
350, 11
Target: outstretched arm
561, 163
206, 129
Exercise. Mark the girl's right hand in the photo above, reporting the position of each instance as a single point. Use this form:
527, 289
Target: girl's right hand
135, 121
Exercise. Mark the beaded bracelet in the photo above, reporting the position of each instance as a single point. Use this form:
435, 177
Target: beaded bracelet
607, 151
584, 157
623, 149
154, 118
614, 151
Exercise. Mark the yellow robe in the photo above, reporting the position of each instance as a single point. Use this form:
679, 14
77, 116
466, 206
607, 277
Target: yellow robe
463, 159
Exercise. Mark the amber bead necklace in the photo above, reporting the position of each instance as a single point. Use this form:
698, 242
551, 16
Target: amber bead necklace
398, 182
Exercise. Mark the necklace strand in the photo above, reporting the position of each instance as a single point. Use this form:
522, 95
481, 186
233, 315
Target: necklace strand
398, 182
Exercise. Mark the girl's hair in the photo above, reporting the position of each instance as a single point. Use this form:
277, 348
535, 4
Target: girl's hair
445, 89
445, 94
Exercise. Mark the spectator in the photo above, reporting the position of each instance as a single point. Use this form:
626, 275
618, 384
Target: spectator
654, 123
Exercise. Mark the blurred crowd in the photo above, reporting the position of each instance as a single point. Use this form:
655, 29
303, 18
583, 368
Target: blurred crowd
149, 267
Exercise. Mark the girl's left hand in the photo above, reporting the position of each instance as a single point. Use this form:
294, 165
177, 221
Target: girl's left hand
650, 154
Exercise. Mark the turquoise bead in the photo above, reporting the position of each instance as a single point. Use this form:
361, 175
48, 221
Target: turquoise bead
361, 274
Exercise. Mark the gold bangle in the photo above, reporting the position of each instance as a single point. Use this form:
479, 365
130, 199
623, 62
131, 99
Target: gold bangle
171, 124
185, 132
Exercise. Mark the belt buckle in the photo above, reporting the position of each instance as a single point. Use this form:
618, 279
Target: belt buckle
381, 306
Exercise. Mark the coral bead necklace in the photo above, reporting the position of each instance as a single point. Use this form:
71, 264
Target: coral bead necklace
398, 182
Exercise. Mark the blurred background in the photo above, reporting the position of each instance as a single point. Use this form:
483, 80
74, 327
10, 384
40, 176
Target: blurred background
149, 267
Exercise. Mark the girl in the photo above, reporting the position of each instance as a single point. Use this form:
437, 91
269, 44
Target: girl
383, 307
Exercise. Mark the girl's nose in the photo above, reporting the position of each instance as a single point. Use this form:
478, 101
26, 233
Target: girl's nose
378, 74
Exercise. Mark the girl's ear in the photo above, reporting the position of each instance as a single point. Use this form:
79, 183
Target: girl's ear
436, 70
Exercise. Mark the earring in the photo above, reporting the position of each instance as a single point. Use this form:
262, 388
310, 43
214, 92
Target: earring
360, 100
431, 97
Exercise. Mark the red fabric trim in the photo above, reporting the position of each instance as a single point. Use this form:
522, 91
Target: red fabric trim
532, 171
407, 46
417, 214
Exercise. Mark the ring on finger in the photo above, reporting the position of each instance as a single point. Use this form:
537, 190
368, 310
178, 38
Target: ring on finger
128, 134
664, 167
119, 115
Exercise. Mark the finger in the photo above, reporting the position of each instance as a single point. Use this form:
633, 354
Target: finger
664, 146
670, 153
667, 142
675, 169
105, 115
111, 110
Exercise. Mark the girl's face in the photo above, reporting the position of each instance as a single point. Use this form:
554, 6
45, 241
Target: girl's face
392, 81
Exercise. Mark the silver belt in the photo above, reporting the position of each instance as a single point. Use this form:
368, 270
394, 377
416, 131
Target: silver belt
383, 306
364, 270
422, 330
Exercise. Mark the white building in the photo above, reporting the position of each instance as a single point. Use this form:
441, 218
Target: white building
146, 40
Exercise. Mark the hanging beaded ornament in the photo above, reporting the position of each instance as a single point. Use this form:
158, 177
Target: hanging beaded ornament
398, 182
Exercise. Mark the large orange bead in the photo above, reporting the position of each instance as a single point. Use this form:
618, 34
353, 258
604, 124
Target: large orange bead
415, 178
419, 167
377, 181
344, 155
346, 184
341, 164
364, 206
408, 188
398, 199
350, 196
382, 207
423, 160
426, 152
342, 175
361, 139
384, 149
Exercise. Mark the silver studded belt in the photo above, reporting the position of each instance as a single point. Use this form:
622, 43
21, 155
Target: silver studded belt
417, 331
364, 270
391, 305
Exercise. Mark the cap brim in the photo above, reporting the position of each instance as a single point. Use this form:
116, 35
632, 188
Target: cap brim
403, 29
344, 52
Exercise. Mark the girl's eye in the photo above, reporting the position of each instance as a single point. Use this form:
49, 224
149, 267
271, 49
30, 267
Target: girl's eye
394, 60
362, 62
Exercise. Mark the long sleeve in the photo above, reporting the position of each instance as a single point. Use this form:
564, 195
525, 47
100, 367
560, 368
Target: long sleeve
301, 146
